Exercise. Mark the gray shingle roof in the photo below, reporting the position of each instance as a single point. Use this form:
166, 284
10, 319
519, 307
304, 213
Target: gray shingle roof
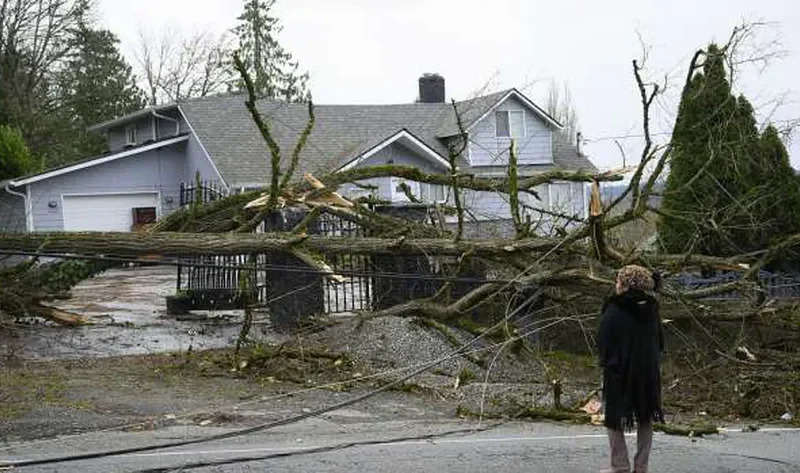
566, 156
341, 133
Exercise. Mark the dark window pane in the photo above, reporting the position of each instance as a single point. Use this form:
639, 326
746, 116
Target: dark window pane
503, 129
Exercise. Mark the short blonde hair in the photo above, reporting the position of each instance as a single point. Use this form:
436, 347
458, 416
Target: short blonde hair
636, 277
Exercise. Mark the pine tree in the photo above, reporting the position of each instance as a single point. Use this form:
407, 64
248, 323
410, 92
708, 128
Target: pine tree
275, 74
97, 85
720, 191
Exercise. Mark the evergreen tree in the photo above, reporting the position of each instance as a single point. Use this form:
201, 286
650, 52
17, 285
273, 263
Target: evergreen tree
720, 192
780, 193
97, 85
275, 74
15, 158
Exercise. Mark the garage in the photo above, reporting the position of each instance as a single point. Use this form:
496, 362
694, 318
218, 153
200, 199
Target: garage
109, 212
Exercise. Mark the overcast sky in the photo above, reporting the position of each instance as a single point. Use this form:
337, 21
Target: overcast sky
373, 51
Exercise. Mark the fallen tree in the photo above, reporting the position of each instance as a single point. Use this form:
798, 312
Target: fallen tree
570, 270
173, 244
578, 253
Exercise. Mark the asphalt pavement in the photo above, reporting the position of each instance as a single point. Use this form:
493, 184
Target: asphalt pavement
345, 444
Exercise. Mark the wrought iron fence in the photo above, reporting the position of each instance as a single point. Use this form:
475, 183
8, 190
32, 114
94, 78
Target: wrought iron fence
204, 192
280, 280
776, 285
292, 290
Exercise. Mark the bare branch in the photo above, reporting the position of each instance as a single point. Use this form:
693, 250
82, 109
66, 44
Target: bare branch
263, 128
455, 149
299, 146
176, 67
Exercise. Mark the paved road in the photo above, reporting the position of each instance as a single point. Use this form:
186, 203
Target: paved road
513, 447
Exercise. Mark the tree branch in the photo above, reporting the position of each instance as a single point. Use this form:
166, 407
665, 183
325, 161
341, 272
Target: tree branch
299, 146
263, 128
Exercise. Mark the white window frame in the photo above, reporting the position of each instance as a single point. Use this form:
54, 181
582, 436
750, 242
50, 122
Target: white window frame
359, 192
577, 196
510, 126
130, 135
554, 204
497, 124
426, 191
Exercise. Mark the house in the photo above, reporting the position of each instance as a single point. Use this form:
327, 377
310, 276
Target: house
154, 150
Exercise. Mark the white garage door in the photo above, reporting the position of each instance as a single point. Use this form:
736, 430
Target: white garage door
104, 213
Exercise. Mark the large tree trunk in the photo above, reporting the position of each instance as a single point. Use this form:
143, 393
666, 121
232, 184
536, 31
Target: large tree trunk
173, 244
189, 244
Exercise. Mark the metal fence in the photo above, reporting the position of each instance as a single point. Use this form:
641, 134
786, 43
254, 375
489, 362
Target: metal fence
291, 289
204, 192
281, 281
776, 285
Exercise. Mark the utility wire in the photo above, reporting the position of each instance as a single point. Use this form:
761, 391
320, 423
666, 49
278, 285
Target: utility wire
267, 426
550, 323
202, 464
271, 425
330, 448
546, 323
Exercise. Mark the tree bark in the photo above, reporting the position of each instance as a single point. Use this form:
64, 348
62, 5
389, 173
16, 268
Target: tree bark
470, 182
174, 244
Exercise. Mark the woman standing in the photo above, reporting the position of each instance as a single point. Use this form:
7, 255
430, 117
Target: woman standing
630, 343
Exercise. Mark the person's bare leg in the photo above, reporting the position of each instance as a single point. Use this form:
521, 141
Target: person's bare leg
619, 452
644, 443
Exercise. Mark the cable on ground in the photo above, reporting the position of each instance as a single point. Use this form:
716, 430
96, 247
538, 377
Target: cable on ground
270, 425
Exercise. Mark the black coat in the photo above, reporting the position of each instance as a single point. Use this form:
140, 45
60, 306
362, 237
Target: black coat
630, 343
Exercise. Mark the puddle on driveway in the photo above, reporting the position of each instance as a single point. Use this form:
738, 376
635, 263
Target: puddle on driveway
127, 311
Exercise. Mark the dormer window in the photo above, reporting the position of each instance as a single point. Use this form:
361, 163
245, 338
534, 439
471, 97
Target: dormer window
510, 124
130, 135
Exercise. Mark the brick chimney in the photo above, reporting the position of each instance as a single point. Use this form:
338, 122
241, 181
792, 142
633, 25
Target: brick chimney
431, 88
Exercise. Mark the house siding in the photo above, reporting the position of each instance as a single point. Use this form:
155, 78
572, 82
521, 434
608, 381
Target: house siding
12, 213
144, 130
167, 128
160, 170
489, 211
198, 162
486, 206
486, 149
559, 197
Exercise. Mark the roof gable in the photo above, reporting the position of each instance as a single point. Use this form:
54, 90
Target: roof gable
409, 141
474, 111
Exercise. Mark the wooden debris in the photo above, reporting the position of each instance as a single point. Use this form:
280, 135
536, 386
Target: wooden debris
320, 195
686, 431
59, 316
595, 204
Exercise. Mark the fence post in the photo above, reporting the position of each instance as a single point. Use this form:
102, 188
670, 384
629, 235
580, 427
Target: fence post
179, 276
